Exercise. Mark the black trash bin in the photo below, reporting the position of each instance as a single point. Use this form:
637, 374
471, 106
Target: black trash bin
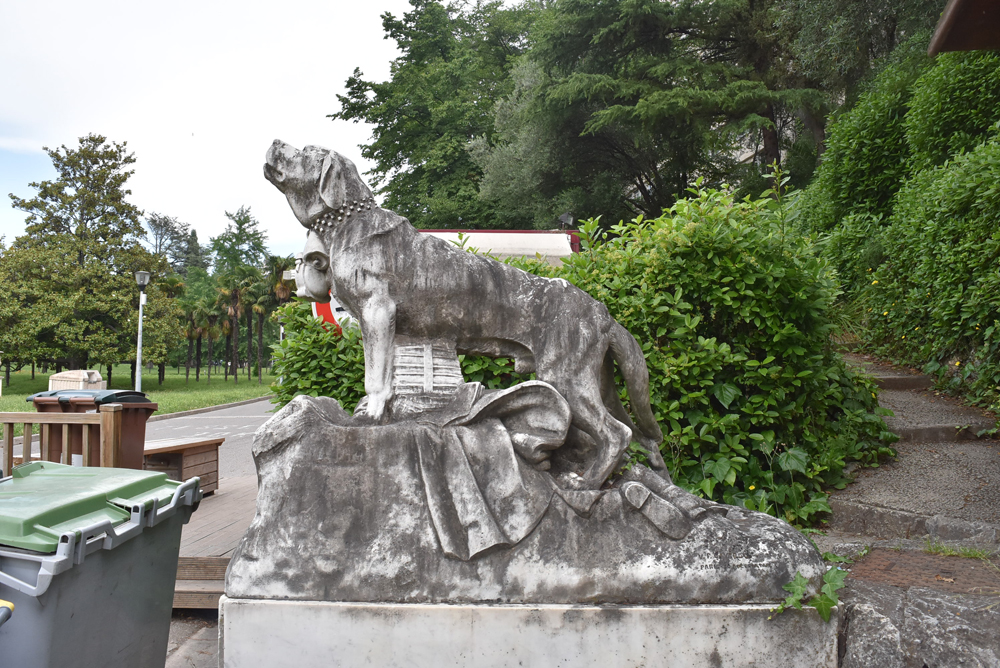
136, 409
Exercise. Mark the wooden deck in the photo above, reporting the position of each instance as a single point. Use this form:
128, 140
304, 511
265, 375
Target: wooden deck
209, 539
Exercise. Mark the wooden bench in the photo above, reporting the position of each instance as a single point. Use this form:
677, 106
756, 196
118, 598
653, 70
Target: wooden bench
183, 458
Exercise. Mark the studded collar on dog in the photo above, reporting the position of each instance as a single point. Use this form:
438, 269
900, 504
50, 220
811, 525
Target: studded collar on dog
328, 220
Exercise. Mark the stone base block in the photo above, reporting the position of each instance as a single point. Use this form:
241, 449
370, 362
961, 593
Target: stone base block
300, 634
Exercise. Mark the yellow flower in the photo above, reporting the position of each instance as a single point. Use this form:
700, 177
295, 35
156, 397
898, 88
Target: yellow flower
958, 363
885, 313
904, 336
752, 488
915, 328
874, 282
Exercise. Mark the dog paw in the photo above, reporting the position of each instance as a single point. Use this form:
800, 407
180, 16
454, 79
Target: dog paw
377, 404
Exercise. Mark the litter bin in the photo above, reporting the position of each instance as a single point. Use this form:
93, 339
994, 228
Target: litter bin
136, 409
88, 558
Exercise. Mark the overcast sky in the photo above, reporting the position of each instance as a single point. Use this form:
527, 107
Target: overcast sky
198, 90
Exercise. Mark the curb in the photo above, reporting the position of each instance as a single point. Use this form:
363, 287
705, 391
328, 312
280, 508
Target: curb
941, 433
878, 522
904, 382
208, 409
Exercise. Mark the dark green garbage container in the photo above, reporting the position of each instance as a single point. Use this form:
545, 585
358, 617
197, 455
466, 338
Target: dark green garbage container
88, 558
136, 409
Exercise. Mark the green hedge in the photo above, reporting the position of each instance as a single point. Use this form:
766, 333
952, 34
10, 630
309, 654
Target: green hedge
732, 315
867, 154
935, 301
907, 198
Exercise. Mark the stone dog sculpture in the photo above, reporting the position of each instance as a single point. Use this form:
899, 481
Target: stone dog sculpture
451, 493
397, 282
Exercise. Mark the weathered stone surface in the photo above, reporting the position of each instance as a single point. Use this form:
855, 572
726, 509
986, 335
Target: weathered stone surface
890, 626
344, 513
276, 634
397, 283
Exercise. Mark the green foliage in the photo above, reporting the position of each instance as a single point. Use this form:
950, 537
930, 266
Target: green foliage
453, 67
954, 107
316, 359
839, 42
619, 104
867, 156
71, 274
732, 315
907, 195
935, 302
824, 602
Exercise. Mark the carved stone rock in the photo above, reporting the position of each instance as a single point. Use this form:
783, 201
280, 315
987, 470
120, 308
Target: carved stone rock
349, 510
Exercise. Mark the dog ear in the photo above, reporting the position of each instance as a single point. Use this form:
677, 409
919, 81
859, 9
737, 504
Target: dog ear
332, 189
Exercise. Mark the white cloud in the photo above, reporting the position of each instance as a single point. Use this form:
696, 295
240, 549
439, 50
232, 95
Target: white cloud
197, 89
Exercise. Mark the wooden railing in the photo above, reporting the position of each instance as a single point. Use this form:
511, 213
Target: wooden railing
109, 419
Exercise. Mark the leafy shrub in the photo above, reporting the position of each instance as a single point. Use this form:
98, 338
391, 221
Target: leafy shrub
316, 360
732, 315
954, 105
936, 300
867, 154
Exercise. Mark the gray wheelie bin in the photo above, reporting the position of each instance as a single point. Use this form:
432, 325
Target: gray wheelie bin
88, 558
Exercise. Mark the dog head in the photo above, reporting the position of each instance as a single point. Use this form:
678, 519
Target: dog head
314, 180
312, 270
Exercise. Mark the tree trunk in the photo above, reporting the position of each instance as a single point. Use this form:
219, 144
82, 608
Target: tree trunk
236, 349
771, 150
227, 355
32, 369
187, 364
132, 367
197, 359
249, 343
162, 373
7, 372
109, 375
211, 360
260, 344
814, 125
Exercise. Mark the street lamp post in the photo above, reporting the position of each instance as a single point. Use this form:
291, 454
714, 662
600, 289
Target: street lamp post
142, 278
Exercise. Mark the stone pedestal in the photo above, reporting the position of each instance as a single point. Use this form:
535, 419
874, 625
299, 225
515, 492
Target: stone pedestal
301, 634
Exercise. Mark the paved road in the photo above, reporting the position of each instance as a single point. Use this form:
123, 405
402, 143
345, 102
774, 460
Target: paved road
236, 424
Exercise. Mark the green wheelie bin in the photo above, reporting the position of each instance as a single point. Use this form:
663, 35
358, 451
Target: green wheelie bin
88, 558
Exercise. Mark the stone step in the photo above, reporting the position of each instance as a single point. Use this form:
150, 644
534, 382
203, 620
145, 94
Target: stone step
941, 433
870, 520
904, 382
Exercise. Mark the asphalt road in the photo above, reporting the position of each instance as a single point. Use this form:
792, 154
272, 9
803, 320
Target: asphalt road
236, 424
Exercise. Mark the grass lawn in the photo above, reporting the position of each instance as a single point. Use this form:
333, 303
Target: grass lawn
172, 396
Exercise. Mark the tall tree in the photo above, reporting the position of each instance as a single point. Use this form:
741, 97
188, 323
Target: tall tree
242, 243
454, 65
73, 268
621, 104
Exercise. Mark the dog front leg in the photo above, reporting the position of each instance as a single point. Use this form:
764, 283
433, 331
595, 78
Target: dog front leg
378, 328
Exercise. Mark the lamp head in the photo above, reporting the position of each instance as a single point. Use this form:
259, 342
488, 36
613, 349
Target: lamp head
142, 278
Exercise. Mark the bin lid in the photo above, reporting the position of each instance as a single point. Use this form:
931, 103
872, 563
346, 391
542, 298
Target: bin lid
43, 500
98, 396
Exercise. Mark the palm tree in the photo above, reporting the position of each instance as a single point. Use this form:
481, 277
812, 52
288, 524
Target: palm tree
232, 285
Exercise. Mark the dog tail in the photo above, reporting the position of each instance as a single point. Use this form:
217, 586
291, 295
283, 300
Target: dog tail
626, 352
